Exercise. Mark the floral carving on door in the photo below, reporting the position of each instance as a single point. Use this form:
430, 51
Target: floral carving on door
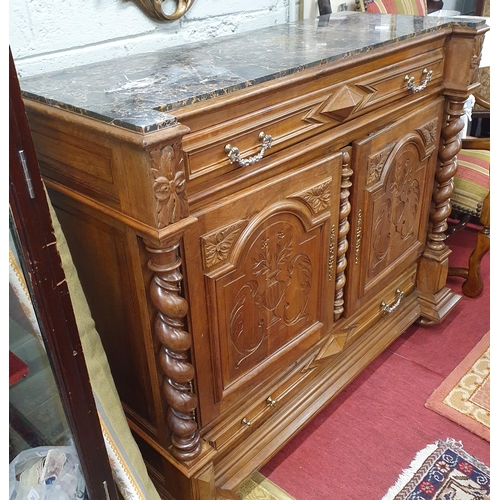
275, 298
406, 191
398, 212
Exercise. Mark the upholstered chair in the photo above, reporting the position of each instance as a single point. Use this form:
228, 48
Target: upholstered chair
471, 205
409, 7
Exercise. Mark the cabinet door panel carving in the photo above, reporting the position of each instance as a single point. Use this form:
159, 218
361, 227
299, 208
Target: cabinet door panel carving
394, 172
269, 257
396, 206
271, 297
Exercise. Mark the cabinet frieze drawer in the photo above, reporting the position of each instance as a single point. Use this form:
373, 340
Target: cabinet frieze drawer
226, 432
403, 80
291, 119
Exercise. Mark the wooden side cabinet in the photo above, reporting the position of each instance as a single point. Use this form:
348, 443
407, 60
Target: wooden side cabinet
246, 257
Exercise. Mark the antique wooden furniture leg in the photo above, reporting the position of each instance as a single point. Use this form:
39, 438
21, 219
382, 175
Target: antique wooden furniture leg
473, 284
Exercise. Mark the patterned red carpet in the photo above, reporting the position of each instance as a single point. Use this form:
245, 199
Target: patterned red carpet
357, 446
443, 471
464, 396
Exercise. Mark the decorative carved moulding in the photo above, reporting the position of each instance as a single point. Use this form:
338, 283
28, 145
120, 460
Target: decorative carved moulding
154, 9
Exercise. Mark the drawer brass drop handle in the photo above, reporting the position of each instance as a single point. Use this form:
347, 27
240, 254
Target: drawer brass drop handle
233, 153
389, 309
246, 422
270, 401
417, 88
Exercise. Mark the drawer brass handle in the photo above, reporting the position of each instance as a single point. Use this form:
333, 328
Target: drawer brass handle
246, 422
389, 309
271, 401
417, 88
233, 153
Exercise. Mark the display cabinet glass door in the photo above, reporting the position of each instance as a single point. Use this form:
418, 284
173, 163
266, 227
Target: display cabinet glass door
37, 419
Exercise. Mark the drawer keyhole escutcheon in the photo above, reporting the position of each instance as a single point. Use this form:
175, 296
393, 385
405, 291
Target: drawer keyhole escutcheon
389, 309
246, 422
233, 153
410, 81
271, 401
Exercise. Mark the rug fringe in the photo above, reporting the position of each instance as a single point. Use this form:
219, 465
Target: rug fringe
408, 473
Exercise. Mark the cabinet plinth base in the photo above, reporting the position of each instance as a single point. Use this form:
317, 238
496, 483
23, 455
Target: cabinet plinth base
436, 306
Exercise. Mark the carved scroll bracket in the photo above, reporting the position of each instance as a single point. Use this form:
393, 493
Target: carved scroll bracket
177, 372
154, 8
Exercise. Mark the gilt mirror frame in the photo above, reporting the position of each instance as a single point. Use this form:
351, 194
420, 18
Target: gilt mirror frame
154, 9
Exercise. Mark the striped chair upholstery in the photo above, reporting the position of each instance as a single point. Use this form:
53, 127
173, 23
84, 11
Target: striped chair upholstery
409, 7
471, 202
472, 181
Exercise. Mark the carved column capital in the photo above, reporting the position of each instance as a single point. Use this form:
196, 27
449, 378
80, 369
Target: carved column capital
169, 183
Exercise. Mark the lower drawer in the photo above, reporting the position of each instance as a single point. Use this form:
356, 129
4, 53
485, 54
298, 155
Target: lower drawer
243, 420
384, 305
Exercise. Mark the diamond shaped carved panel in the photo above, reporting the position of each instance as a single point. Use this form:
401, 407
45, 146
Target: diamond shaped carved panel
340, 105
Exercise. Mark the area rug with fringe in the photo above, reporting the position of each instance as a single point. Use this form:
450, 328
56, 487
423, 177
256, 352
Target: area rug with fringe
443, 471
464, 396
258, 487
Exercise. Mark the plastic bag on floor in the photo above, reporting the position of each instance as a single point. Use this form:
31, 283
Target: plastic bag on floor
47, 473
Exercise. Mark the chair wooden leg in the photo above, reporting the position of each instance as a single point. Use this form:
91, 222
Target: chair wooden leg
473, 285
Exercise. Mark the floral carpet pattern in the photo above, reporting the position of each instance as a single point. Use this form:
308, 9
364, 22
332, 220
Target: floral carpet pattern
443, 471
464, 396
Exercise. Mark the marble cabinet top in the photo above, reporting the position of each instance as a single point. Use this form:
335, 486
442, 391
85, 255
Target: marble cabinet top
142, 92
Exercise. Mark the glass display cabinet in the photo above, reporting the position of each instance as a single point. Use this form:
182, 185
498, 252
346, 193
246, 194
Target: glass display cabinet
55, 438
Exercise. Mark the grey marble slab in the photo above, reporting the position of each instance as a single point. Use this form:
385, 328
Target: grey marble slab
142, 92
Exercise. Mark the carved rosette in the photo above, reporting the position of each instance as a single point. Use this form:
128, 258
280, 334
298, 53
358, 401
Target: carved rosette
342, 245
169, 184
475, 60
217, 245
451, 144
317, 198
376, 164
429, 133
177, 372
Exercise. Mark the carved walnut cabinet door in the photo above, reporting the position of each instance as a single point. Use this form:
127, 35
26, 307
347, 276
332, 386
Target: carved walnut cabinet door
268, 258
394, 170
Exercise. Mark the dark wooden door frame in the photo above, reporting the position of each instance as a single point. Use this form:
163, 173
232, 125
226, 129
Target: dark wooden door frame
42, 266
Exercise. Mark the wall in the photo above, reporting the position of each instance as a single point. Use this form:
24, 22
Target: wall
47, 35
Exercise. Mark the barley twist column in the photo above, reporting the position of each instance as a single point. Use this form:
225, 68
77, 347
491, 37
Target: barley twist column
436, 300
342, 245
444, 175
175, 342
